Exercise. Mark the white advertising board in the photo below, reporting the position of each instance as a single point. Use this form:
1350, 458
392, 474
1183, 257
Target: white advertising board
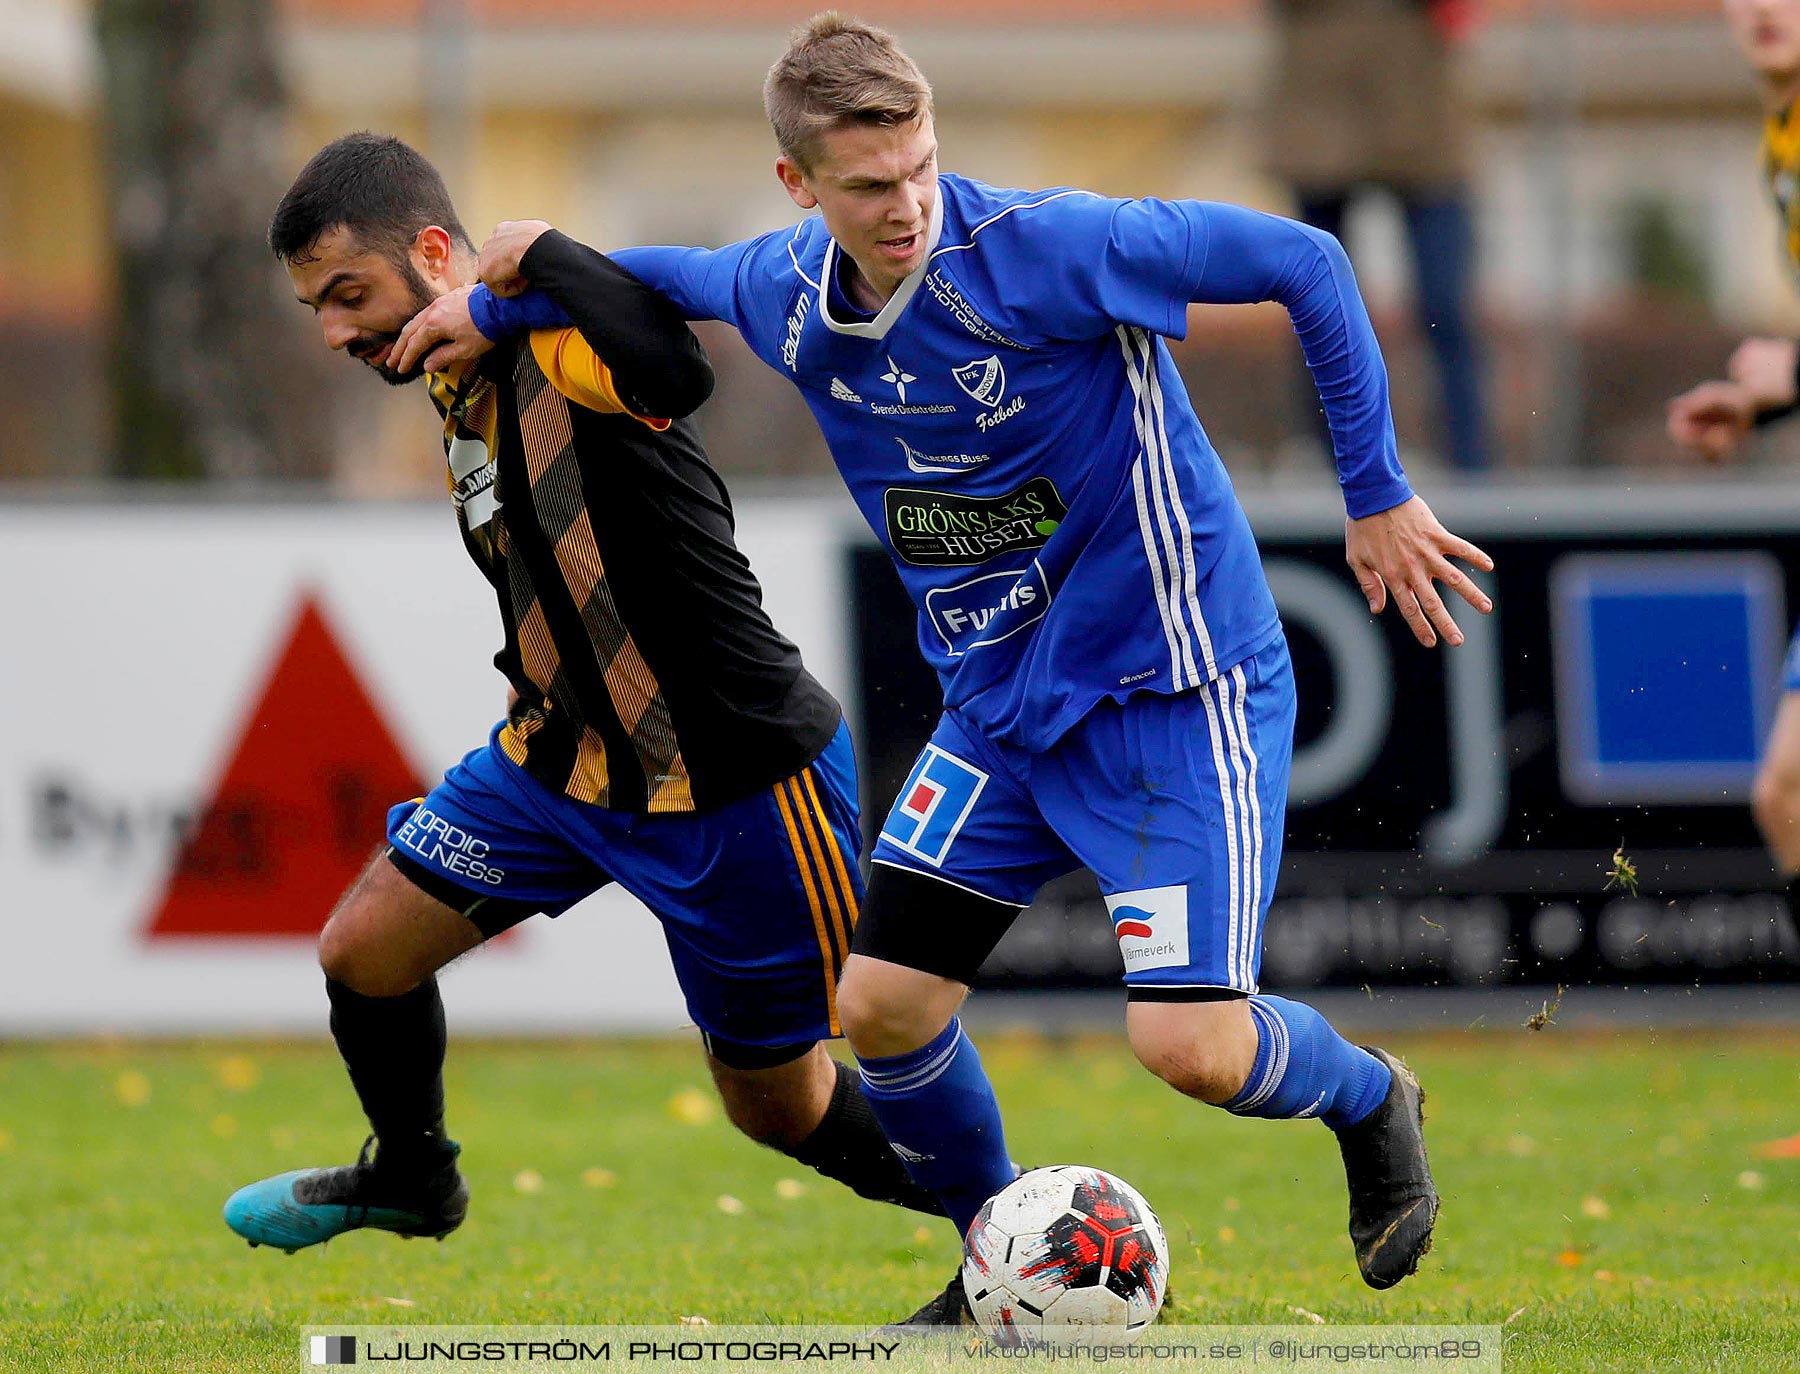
149, 653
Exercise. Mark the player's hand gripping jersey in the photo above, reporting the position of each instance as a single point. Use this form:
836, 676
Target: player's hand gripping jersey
1014, 431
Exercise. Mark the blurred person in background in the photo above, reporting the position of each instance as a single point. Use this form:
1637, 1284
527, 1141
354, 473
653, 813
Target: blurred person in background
1760, 386
661, 734
1364, 100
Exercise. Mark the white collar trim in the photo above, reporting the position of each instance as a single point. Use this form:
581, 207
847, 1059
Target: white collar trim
878, 327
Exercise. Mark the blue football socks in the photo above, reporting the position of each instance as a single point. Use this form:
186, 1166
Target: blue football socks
937, 1107
1305, 1068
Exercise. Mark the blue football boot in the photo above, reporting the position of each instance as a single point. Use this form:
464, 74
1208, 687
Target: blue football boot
306, 1206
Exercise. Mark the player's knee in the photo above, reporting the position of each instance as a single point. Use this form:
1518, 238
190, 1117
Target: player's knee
1212, 1068
879, 1019
349, 957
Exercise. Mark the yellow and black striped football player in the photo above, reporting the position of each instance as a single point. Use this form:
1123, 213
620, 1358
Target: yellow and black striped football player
663, 734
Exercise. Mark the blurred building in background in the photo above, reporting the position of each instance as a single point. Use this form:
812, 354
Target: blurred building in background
225, 695
1623, 239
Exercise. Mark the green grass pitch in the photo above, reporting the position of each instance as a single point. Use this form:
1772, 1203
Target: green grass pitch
1601, 1199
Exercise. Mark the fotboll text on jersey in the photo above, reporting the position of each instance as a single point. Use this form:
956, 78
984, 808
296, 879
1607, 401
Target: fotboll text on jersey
996, 417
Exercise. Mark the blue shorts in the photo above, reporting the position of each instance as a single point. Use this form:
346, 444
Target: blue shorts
1790, 671
1175, 802
757, 899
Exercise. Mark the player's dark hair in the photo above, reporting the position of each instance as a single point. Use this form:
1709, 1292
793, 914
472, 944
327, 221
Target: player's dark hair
379, 189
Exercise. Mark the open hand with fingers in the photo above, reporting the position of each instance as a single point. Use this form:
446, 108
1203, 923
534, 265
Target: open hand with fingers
1404, 552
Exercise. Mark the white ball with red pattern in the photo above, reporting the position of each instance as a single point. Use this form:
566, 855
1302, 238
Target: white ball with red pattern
1065, 1247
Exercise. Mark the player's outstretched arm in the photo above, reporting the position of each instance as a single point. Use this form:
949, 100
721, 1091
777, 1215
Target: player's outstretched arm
1403, 552
656, 363
1712, 420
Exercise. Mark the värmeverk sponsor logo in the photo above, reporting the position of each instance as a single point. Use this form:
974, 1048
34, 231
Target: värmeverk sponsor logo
1152, 927
939, 462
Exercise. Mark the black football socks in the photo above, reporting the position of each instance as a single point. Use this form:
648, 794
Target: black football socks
848, 1145
394, 1050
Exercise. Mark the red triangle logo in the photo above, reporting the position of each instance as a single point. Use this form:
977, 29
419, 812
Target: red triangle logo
301, 806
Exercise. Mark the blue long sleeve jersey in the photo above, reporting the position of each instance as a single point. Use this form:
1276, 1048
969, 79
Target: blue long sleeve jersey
1014, 431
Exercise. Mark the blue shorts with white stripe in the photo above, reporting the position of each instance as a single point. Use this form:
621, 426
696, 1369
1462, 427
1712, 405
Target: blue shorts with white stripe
1176, 802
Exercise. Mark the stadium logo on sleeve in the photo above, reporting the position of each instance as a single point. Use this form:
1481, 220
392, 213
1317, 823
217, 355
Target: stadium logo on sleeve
1152, 927
790, 346
933, 804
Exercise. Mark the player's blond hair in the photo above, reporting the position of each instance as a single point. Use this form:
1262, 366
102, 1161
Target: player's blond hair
839, 71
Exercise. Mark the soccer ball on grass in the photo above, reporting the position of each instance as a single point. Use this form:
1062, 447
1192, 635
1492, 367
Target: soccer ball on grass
1064, 1247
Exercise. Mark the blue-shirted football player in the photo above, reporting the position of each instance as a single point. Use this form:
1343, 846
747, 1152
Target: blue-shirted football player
988, 368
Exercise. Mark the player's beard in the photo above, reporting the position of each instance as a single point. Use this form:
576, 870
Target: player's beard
367, 346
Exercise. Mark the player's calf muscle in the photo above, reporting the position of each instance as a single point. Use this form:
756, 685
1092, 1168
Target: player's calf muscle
777, 1106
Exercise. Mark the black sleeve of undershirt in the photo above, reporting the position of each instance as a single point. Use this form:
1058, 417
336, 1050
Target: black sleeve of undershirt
658, 366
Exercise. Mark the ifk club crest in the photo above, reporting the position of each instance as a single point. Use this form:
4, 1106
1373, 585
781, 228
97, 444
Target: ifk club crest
984, 379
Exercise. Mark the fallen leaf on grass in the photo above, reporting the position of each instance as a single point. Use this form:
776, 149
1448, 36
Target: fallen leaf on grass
692, 1107
237, 1072
133, 1088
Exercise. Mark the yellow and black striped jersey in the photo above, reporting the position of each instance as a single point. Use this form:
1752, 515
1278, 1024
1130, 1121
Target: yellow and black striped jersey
1781, 173
649, 677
